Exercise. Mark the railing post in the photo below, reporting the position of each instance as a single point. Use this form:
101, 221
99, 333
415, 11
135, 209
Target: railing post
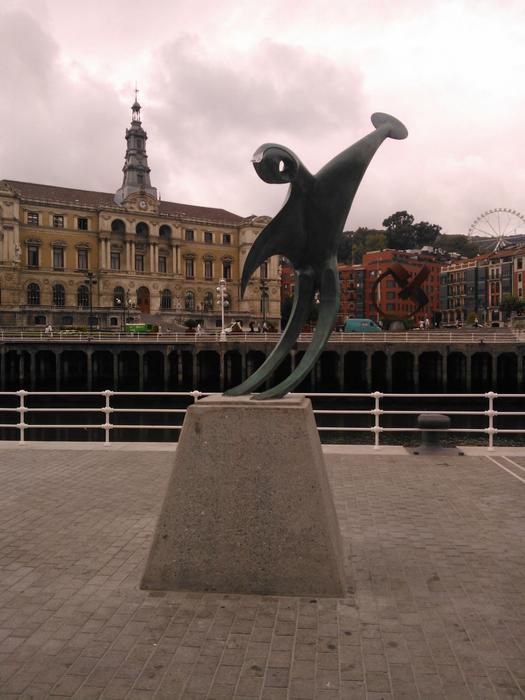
107, 410
196, 394
376, 395
22, 408
491, 430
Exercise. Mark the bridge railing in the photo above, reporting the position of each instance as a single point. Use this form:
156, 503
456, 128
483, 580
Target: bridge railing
374, 413
459, 336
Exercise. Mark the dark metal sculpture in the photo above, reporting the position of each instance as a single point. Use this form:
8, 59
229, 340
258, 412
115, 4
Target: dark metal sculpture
307, 232
410, 288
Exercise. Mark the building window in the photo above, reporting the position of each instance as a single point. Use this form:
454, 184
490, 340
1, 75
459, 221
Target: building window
82, 224
227, 270
82, 261
519, 263
190, 268
67, 320
58, 258
115, 260
83, 296
165, 232
118, 226
264, 271
208, 237
163, 263
40, 320
189, 235
59, 295
113, 321
58, 221
33, 218
33, 294
208, 269
32, 256
165, 299
226, 239
139, 263
207, 303
189, 301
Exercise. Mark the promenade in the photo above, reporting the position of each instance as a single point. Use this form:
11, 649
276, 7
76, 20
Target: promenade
435, 561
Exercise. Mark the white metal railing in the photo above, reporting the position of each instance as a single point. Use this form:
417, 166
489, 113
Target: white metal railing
378, 410
498, 336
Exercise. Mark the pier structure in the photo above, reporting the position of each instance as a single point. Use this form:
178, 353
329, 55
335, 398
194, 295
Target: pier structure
479, 362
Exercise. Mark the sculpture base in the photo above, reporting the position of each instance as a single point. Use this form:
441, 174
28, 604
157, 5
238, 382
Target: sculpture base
248, 507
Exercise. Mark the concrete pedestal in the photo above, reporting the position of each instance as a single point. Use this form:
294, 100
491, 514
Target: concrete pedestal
248, 507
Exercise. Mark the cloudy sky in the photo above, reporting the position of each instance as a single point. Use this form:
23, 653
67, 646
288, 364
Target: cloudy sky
219, 77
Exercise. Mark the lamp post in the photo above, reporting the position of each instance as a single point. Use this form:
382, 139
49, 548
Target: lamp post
90, 281
263, 286
222, 301
123, 303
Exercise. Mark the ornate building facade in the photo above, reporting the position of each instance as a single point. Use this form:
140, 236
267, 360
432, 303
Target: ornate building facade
71, 257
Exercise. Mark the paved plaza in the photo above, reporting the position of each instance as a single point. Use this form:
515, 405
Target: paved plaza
435, 561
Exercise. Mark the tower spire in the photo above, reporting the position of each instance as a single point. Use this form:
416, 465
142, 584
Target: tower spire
136, 170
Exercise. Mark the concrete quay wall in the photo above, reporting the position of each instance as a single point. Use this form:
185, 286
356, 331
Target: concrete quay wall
52, 365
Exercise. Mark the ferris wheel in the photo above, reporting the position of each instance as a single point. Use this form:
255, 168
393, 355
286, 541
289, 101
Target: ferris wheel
500, 225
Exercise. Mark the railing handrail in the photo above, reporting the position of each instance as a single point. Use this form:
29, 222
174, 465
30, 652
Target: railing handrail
459, 336
376, 411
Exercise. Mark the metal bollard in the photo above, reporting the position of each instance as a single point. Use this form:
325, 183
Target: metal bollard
430, 423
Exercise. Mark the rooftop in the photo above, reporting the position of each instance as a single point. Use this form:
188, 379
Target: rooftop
435, 571
50, 194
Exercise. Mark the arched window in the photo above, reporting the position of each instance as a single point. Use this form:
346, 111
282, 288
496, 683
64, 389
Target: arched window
165, 232
118, 297
83, 296
165, 299
142, 230
59, 295
118, 226
207, 303
189, 301
33, 294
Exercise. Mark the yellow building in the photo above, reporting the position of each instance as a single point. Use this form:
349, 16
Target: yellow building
69, 256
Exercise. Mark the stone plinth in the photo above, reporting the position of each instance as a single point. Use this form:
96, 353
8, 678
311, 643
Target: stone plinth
248, 507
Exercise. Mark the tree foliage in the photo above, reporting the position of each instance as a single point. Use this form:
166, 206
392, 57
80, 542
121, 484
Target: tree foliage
457, 244
511, 303
355, 243
402, 233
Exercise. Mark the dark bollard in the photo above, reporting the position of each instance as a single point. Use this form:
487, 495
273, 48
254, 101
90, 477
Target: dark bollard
430, 423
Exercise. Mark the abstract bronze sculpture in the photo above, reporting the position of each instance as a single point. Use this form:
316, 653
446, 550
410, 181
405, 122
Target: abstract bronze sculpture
410, 289
307, 232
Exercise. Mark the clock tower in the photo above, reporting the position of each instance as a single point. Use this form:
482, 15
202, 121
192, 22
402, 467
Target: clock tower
136, 170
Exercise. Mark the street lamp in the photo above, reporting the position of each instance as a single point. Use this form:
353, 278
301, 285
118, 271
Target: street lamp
123, 303
90, 282
263, 286
222, 301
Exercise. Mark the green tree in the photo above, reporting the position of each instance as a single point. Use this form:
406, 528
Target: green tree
400, 232
457, 243
355, 243
426, 233
511, 303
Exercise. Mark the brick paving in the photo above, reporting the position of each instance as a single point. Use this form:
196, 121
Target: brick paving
435, 605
